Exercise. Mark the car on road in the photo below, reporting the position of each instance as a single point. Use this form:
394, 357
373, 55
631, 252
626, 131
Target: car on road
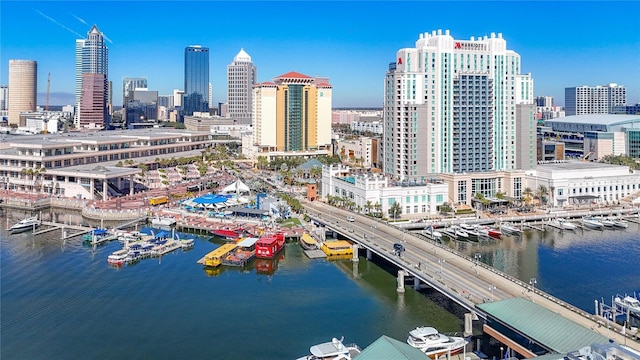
398, 248
351, 219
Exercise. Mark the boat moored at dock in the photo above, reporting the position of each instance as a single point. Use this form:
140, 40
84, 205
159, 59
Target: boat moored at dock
592, 223
510, 229
308, 242
269, 245
23, 225
337, 249
332, 350
215, 257
244, 252
435, 344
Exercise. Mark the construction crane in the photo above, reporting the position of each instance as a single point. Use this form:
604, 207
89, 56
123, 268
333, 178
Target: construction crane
46, 106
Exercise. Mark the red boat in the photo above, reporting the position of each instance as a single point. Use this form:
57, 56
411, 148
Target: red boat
495, 233
269, 245
229, 234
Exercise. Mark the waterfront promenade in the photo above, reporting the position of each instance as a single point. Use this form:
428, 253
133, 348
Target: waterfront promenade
464, 280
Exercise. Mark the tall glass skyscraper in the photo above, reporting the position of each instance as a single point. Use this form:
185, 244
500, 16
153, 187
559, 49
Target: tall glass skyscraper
196, 79
92, 57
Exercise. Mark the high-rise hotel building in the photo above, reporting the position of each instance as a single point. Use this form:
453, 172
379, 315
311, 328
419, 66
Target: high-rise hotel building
196, 79
583, 100
292, 113
92, 58
241, 76
454, 106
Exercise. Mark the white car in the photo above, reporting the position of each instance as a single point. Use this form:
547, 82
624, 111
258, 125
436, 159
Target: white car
351, 219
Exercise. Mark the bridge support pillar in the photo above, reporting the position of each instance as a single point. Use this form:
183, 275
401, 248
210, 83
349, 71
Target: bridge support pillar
400, 288
355, 258
369, 254
416, 283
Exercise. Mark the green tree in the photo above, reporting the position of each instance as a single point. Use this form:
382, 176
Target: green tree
395, 210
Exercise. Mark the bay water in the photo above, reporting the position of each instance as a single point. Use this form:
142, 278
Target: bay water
61, 300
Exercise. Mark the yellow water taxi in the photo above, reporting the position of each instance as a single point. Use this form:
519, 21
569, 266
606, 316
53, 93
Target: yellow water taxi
215, 257
337, 248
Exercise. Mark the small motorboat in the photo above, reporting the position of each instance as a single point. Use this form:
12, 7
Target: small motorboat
510, 229
25, 225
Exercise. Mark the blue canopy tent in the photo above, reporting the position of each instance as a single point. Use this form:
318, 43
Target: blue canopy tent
209, 201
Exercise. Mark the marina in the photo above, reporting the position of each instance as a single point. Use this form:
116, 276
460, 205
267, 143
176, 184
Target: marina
567, 245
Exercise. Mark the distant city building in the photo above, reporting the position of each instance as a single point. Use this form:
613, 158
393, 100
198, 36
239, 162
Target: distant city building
362, 151
293, 113
585, 100
210, 95
368, 125
349, 116
141, 107
457, 106
165, 100
549, 150
92, 102
241, 76
92, 57
591, 137
196, 79
23, 83
626, 109
546, 109
4, 97
178, 98
129, 84
544, 101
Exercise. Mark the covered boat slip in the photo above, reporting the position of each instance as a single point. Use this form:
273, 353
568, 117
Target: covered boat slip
531, 330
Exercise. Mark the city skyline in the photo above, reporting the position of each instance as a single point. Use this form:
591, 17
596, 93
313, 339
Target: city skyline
348, 42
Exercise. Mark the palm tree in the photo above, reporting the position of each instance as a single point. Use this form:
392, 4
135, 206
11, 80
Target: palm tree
368, 206
542, 192
527, 194
395, 210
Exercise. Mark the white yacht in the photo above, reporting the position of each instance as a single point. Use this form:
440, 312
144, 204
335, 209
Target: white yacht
431, 233
470, 230
163, 223
510, 229
606, 222
619, 223
25, 225
562, 224
333, 350
592, 223
628, 302
434, 344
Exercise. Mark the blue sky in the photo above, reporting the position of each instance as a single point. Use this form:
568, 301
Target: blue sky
561, 44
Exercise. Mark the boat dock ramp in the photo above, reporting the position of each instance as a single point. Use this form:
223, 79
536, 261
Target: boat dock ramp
315, 254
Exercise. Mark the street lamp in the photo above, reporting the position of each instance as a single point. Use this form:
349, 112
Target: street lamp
440, 261
492, 287
533, 283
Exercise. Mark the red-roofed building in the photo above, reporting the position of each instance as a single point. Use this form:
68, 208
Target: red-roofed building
292, 115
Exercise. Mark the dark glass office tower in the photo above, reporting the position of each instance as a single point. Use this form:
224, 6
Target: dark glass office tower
196, 79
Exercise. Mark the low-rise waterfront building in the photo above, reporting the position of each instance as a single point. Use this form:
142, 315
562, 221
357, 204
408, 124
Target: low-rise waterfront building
376, 193
574, 182
93, 165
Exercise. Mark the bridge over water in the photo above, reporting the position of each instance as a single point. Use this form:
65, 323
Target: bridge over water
464, 280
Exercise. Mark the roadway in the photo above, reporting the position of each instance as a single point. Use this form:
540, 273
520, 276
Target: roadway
464, 280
